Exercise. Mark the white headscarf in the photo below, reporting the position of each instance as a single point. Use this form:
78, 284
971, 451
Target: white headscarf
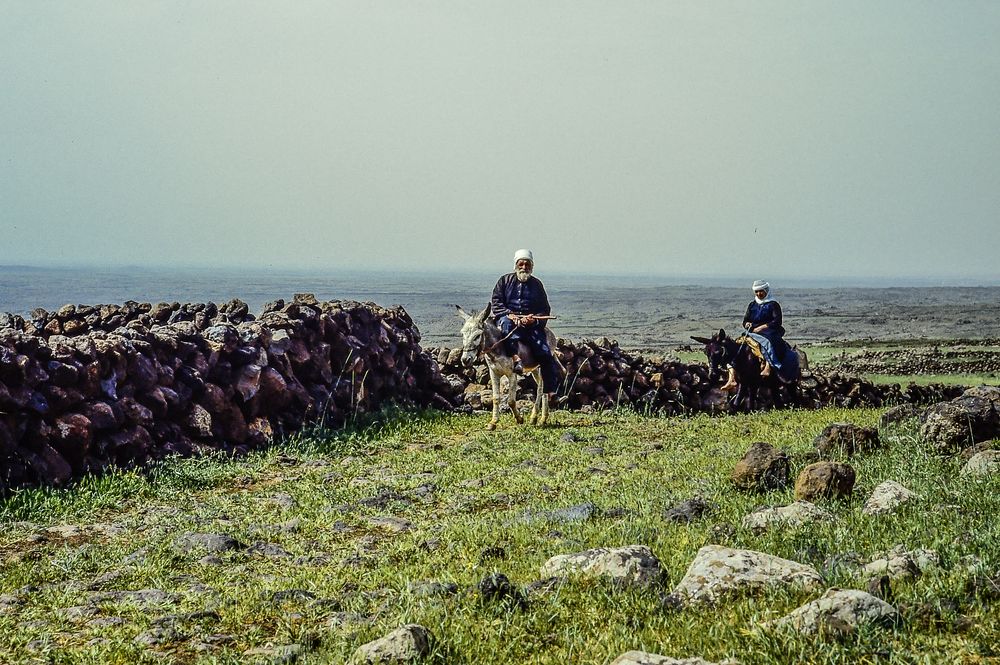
761, 285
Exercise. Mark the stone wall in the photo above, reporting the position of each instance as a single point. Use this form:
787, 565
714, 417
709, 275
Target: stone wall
86, 387
601, 375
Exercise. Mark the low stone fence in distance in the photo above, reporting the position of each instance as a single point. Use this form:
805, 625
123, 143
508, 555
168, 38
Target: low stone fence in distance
601, 375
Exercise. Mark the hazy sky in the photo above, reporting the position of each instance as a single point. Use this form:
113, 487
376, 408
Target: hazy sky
790, 138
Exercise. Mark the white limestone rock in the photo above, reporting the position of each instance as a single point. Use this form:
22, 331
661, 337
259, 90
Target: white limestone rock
885, 498
717, 571
898, 563
633, 564
982, 465
406, 644
793, 515
843, 608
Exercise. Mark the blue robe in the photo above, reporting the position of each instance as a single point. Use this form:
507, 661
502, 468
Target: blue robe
771, 339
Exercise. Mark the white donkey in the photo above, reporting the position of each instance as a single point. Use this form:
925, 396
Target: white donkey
481, 338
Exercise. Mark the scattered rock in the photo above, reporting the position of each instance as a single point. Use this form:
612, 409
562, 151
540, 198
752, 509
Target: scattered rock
497, 588
824, 480
885, 498
718, 571
689, 510
269, 550
795, 515
430, 588
898, 563
631, 565
899, 414
406, 644
762, 468
276, 655
578, 513
847, 439
646, 658
283, 501
212, 542
844, 606
391, 524
960, 423
985, 464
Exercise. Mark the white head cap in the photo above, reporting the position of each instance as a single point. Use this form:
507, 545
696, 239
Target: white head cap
761, 285
523, 254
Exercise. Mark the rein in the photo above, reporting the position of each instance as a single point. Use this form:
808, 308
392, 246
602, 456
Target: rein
538, 317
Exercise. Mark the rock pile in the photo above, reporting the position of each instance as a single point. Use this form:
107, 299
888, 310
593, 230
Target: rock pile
86, 387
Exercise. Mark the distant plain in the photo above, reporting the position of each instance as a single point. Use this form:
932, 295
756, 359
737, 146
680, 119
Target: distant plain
645, 313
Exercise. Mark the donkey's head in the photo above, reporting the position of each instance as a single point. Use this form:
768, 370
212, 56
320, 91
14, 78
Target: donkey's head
473, 331
716, 351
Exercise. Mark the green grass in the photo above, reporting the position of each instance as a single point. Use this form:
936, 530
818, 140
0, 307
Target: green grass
482, 486
927, 379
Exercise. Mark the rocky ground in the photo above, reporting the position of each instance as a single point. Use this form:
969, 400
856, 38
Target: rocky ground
771, 538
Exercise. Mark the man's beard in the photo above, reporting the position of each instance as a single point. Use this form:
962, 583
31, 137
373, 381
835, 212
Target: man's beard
522, 274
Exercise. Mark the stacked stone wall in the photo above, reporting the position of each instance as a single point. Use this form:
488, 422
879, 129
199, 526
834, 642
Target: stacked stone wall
602, 375
87, 387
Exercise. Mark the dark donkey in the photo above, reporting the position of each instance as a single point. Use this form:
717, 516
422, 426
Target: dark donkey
725, 352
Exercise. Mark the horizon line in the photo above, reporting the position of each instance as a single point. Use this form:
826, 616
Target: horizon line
716, 279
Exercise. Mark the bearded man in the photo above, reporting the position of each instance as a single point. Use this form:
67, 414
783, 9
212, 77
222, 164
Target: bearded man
518, 298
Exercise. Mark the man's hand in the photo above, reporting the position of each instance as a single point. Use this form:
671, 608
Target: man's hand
748, 325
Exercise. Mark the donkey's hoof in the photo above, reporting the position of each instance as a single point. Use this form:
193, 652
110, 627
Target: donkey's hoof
492, 426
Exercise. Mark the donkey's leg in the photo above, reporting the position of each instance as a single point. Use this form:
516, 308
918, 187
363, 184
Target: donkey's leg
543, 398
495, 384
536, 409
512, 397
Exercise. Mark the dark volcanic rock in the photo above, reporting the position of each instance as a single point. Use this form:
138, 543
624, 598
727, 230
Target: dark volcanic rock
960, 423
690, 510
846, 438
824, 480
899, 414
762, 468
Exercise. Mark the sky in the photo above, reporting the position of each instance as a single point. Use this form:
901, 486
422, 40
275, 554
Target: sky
796, 139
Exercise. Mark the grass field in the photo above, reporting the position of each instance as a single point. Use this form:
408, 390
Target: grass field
326, 571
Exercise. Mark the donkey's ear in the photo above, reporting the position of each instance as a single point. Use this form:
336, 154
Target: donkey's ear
484, 314
722, 334
701, 340
462, 313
